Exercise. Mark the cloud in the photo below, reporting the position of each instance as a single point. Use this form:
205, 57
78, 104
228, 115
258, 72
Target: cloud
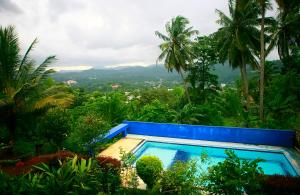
103, 33
9, 6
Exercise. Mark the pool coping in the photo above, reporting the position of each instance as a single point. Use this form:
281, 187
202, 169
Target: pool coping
291, 154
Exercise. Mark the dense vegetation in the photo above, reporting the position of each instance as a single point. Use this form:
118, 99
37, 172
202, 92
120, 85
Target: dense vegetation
39, 115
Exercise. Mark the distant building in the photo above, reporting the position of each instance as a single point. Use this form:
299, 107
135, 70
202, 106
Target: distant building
71, 82
115, 86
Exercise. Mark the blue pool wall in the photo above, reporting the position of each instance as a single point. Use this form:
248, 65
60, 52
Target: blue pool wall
210, 133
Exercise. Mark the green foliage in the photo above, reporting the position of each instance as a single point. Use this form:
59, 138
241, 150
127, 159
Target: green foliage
149, 169
200, 74
176, 46
86, 129
24, 88
204, 114
234, 176
176, 50
180, 178
75, 176
129, 173
24, 147
55, 126
156, 112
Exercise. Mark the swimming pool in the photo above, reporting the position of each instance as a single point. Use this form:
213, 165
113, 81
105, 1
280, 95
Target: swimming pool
168, 153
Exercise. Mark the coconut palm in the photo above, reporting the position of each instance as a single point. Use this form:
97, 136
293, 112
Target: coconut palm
238, 38
286, 33
264, 5
176, 46
22, 89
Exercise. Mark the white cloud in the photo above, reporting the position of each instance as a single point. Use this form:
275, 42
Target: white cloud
102, 33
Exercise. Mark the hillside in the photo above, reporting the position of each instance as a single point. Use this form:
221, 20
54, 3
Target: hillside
135, 77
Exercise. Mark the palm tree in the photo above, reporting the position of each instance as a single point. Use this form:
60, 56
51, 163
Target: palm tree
22, 89
237, 39
176, 47
264, 4
286, 33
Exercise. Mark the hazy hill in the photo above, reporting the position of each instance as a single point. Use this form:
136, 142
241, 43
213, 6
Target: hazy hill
136, 76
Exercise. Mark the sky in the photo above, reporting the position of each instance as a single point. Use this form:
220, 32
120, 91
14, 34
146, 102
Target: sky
87, 34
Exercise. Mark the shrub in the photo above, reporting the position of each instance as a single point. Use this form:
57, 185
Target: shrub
110, 173
181, 178
157, 112
24, 148
56, 125
281, 185
149, 169
234, 176
129, 175
85, 130
106, 162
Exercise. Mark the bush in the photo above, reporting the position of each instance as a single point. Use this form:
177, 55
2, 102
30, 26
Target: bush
157, 112
56, 125
234, 176
85, 130
181, 178
24, 148
108, 162
74, 176
281, 185
149, 169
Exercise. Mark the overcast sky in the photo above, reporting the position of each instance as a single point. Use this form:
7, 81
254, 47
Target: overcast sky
102, 33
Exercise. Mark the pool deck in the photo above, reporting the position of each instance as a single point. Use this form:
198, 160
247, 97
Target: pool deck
127, 144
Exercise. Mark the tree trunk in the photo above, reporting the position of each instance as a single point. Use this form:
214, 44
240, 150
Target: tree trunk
185, 87
243, 70
262, 64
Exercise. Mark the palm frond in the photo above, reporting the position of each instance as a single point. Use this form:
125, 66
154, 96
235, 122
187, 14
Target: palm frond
162, 36
9, 56
59, 99
42, 67
26, 56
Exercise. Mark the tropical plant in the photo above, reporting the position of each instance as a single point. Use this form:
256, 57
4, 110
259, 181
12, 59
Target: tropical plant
129, 173
264, 5
203, 81
205, 114
234, 176
181, 178
286, 33
176, 46
22, 89
156, 112
149, 168
238, 38
87, 131
55, 126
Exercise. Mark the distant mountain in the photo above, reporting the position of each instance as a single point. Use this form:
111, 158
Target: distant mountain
137, 76
225, 73
137, 73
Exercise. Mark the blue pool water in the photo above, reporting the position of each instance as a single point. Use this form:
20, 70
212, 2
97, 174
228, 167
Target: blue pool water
274, 162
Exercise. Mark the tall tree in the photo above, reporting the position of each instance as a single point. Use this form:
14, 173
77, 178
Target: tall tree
176, 46
200, 74
286, 31
22, 89
264, 4
238, 38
